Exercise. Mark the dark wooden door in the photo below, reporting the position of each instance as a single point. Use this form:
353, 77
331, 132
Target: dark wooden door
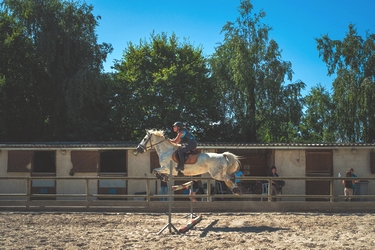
319, 163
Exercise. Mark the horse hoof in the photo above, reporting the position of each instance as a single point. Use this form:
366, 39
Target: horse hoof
236, 191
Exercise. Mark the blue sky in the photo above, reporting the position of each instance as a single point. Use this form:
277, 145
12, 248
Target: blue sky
295, 24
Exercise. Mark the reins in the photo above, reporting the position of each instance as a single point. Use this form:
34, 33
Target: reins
151, 145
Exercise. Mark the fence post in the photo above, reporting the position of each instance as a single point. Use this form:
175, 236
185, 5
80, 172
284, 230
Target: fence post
331, 199
28, 191
87, 193
148, 189
269, 190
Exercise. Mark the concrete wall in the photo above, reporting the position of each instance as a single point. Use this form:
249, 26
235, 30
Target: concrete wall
291, 163
139, 166
11, 186
63, 167
359, 160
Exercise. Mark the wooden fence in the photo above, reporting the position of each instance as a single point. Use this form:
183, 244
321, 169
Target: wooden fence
147, 202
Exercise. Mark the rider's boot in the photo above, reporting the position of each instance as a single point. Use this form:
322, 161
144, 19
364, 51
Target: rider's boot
181, 160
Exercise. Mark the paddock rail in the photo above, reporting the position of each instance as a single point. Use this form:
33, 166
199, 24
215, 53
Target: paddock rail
210, 202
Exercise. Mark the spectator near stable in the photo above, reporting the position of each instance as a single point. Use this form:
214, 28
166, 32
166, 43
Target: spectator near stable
351, 170
277, 185
348, 186
163, 190
238, 173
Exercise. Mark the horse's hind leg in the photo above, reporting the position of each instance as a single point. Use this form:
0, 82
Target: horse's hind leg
217, 174
232, 185
235, 189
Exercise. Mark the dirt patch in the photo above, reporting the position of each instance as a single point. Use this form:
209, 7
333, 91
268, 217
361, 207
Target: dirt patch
214, 231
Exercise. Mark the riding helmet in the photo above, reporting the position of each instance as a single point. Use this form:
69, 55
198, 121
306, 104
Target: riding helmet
178, 124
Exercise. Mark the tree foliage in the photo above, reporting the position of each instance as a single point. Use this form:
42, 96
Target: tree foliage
250, 75
353, 61
318, 125
60, 77
52, 86
19, 89
160, 82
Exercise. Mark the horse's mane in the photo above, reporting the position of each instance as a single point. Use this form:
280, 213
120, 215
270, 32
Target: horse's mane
156, 132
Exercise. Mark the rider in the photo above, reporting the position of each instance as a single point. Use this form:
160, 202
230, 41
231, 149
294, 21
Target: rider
183, 136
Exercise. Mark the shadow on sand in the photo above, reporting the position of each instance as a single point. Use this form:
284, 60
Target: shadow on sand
212, 228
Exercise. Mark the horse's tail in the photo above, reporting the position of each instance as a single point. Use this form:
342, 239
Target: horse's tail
234, 162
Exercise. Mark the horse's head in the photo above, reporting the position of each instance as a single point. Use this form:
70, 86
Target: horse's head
143, 145
152, 138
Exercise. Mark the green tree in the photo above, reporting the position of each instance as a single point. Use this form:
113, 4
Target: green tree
249, 72
353, 61
21, 116
66, 64
160, 82
317, 124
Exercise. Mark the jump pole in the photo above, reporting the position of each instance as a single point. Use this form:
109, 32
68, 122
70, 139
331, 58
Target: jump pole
183, 186
191, 224
191, 199
192, 221
170, 183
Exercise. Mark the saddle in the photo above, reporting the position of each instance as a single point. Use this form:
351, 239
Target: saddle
190, 156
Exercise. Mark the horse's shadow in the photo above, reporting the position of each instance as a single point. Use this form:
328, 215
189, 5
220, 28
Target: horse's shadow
255, 229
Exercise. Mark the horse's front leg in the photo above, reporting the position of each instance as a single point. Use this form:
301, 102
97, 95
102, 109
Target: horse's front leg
160, 174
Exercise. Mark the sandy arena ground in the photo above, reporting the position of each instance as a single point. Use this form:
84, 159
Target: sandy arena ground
45, 230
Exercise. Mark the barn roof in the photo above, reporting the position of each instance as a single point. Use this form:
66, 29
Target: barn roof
207, 145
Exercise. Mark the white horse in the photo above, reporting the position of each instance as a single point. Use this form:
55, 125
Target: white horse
220, 166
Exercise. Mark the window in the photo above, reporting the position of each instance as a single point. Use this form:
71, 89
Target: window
372, 162
113, 161
84, 161
319, 162
20, 160
39, 163
44, 162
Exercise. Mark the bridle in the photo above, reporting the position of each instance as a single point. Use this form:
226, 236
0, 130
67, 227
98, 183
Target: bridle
145, 148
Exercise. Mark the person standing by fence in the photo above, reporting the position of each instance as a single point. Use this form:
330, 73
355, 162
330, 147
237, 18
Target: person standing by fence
348, 186
238, 173
351, 170
163, 190
273, 173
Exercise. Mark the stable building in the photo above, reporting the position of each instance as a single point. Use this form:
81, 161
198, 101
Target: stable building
110, 161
